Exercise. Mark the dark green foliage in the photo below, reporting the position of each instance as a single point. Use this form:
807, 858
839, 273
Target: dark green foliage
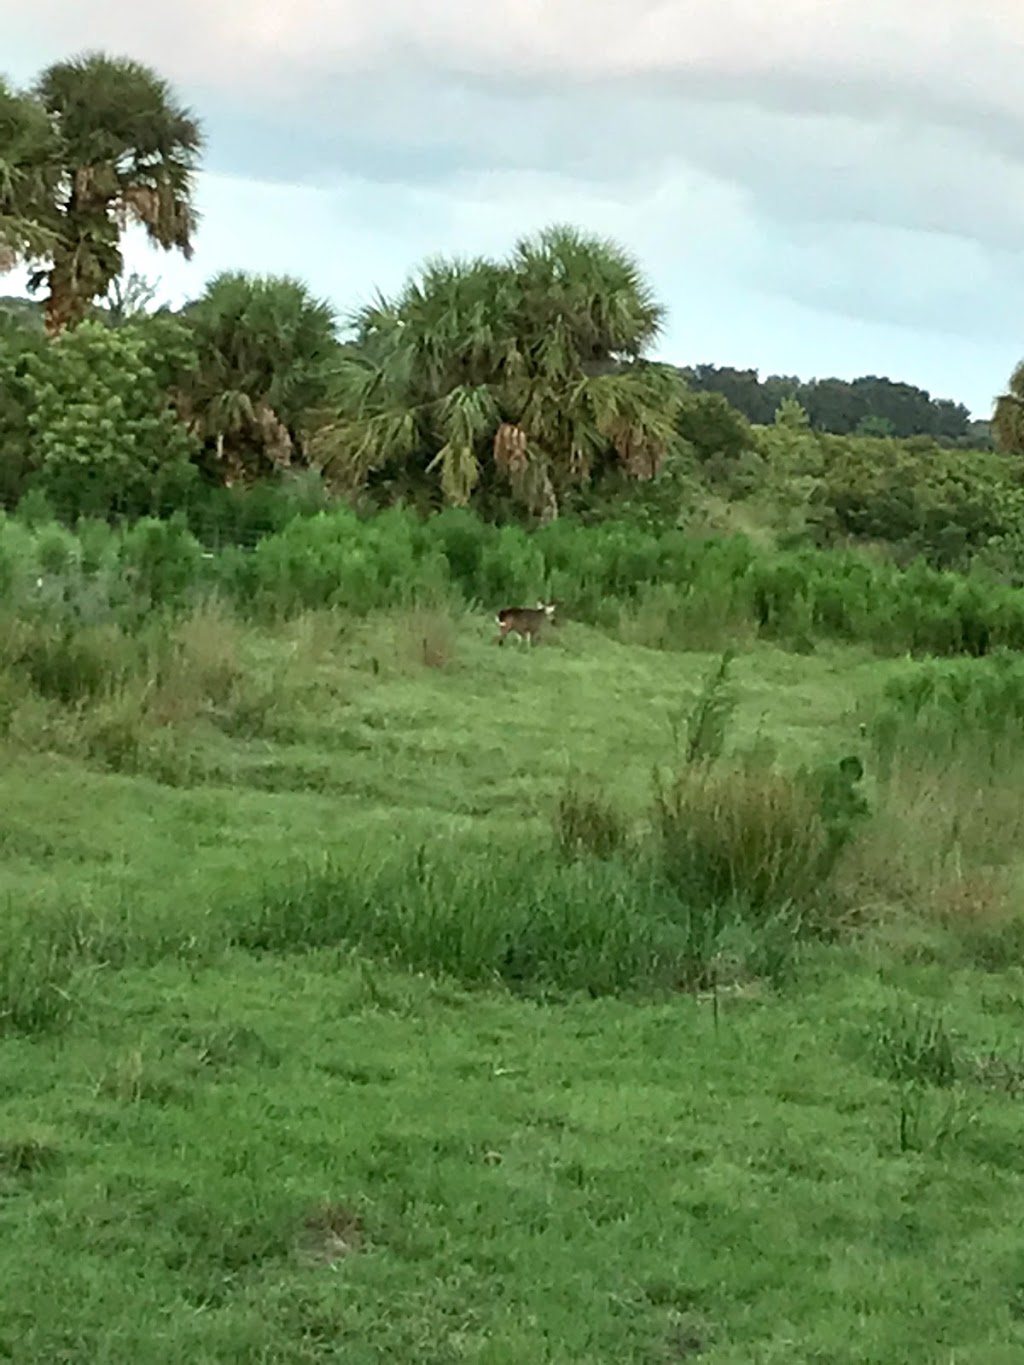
838, 405
713, 427
515, 378
92, 418
841, 802
266, 349
600, 574
20, 347
942, 505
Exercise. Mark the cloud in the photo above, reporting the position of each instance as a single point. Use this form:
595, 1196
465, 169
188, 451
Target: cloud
836, 166
956, 50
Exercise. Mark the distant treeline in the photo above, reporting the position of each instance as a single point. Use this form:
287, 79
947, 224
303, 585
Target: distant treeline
870, 406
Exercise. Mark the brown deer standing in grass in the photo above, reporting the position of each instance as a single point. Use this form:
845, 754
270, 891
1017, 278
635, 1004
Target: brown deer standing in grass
527, 622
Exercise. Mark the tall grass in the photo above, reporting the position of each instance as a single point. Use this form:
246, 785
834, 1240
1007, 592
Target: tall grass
521, 920
745, 834
662, 589
947, 748
745, 850
107, 692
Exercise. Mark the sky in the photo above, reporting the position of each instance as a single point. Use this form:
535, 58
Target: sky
814, 187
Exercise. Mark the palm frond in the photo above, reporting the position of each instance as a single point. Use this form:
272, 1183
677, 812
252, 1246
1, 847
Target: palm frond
460, 471
532, 362
1008, 416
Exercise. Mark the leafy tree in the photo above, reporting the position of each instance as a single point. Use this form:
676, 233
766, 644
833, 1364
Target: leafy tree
104, 435
22, 312
792, 416
266, 352
743, 389
791, 465
527, 372
918, 500
979, 436
712, 426
874, 426
122, 150
838, 405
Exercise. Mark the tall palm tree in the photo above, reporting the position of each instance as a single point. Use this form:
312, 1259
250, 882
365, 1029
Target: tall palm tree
529, 369
1008, 415
127, 152
265, 349
27, 178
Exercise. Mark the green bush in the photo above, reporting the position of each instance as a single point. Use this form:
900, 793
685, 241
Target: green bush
745, 834
103, 435
665, 589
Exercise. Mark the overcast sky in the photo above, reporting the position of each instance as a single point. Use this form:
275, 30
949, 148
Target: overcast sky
815, 187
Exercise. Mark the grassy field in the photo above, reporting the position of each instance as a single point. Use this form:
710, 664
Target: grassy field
233, 1128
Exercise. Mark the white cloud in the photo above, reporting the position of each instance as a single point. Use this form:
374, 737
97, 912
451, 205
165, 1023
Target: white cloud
953, 45
815, 185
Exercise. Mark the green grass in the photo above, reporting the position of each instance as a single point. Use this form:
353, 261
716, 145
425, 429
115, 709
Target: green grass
244, 1119
584, 1183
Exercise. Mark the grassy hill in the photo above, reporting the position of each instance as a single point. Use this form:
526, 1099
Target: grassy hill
314, 1048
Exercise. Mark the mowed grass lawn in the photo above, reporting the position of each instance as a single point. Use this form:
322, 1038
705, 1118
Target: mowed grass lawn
314, 1157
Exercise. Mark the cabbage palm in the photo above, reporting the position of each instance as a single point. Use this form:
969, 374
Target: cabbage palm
531, 368
265, 348
27, 178
1008, 415
127, 153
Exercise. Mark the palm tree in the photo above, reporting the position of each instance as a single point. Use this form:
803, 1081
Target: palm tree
27, 178
530, 370
127, 152
1008, 415
265, 349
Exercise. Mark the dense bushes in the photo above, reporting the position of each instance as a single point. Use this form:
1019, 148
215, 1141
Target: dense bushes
89, 422
946, 506
686, 592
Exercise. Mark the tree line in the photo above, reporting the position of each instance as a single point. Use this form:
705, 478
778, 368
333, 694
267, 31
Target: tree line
868, 406
513, 384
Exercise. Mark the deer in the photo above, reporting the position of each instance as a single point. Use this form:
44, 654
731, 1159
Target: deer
527, 622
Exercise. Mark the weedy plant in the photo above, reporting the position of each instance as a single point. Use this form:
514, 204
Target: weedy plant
910, 1045
586, 822
743, 830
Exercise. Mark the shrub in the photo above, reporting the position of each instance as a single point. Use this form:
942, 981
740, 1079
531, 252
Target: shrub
743, 834
101, 426
664, 589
